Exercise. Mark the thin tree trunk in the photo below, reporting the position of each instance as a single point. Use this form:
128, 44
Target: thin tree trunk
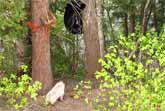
162, 14
75, 55
155, 17
143, 2
126, 24
110, 24
146, 16
132, 22
41, 66
92, 44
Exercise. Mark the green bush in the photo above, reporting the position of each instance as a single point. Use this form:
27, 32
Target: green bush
133, 74
81, 87
13, 14
17, 90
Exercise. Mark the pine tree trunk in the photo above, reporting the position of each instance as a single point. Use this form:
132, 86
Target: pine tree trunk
41, 66
92, 44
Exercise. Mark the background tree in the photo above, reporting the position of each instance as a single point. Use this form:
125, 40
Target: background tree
91, 36
67, 50
146, 15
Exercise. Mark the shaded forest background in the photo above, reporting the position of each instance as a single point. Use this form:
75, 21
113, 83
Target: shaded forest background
128, 35
67, 50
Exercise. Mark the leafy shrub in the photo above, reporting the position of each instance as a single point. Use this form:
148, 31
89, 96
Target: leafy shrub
81, 87
12, 15
17, 90
133, 75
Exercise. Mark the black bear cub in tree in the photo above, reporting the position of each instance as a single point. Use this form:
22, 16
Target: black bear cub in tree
73, 16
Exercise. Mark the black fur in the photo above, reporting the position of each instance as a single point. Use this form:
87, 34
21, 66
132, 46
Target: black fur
73, 16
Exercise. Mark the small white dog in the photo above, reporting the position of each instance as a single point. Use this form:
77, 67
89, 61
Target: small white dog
57, 92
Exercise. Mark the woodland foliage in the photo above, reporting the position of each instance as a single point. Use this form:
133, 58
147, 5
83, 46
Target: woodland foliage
133, 74
133, 69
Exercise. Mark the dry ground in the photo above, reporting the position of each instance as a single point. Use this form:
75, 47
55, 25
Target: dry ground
69, 103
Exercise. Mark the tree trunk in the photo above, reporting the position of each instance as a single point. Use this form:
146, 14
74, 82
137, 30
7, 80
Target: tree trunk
162, 13
111, 26
92, 44
41, 66
99, 12
132, 22
155, 17
126, 24
146, 16
142, 6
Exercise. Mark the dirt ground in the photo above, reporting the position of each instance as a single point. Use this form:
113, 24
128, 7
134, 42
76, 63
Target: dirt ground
68, 104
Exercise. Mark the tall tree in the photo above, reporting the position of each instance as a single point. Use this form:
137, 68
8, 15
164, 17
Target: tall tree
155, 19
125, 22
99, 13
41, 67
132, 16
92, 44
132, 22
146, 15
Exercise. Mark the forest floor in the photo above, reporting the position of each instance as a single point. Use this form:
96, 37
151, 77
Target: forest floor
68, 104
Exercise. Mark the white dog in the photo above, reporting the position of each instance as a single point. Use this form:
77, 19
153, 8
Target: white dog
57, 92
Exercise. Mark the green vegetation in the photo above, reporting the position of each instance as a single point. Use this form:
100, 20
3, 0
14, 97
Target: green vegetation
133, 74
12, 16
17, 90
81, 87
132, 77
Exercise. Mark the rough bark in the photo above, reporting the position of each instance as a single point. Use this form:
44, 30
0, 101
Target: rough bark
92, 44
41, 66
99, 12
